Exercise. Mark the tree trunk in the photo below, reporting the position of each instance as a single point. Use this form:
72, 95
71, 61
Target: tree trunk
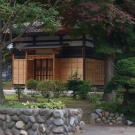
2, 97
109, 72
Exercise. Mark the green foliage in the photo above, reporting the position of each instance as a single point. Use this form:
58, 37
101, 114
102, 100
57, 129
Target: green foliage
13, 104
58, 88
32, 84
84, 88
95, 97
111, 106
51, 105
46, 87
73, 83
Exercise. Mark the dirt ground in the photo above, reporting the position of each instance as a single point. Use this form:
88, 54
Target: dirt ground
108, 130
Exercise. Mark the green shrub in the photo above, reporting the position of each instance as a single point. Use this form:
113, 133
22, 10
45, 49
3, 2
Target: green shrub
73, 83
32, 85
19, 91
46, 87
58, 88
84, 89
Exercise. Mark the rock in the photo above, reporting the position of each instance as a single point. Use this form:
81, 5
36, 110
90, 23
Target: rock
110, 123
31, 132
35, 126
119, 119
103, 118
107, 114
72, 121
32, 119
40, 119
19, 111
116, 115
28, 112
12, 112
49, 129
70, 129
4, 126
103, 113
58, 122
15, 118
110, 118
76, 119
92, 121
8, 118
15, 131
2, 117
121, 115
72, 112
42, 112
42, 128
119, 122
36, 111
98, 111
82, 124
11, 124
100, 115
29, 126
94, 115
58, 130
58, 114
23, 132
24, 118
49, 113
113, 121
107, 121
1, 122
133, 124
3, 111
1, 132
50, 121
111, 114
66, 128
20, 125
98, 120
128, 122
8, 132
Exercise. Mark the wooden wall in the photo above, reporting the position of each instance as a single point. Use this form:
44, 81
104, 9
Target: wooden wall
19, 71
95, 71
68, 66
30, 69
57, 69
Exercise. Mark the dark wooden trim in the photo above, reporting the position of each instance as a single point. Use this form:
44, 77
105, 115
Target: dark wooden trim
40, 41
40, 68
89, 40
61, 39
46, 68
34, 68
34, 40
84, 59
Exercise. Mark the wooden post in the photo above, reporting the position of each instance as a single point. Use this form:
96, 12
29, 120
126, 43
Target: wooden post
26, 72
12, 70
53, 64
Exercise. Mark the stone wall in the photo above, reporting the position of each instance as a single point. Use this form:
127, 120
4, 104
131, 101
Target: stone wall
40, 121
105, 117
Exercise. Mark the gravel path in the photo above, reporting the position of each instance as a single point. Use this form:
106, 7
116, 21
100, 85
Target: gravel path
107, 130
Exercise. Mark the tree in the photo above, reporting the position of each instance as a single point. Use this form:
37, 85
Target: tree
100, 19
20, 17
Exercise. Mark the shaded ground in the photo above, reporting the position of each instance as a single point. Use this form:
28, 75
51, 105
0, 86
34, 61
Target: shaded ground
108, 130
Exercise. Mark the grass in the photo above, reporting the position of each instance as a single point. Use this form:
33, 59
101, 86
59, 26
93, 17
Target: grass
66, 100
6, 85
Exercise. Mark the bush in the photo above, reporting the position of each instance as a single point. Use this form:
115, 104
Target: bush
73, 83
46, 87
32, 85
58, 88
19, 91
84, 89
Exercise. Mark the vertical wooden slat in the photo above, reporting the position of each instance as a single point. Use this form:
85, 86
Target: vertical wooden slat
26, 65
12, 69
53, 64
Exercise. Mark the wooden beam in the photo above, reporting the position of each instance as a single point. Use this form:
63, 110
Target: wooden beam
40, 56
26, 72
12, 69
53, 64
